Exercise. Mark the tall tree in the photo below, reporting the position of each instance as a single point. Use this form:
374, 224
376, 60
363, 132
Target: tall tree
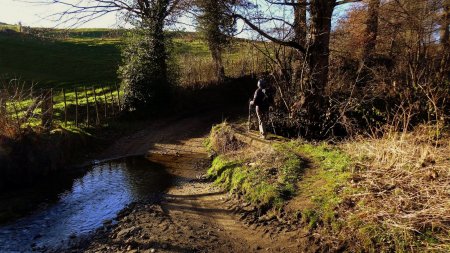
144, 71
217, 26
370, 39
315, 51
300, 24
444, 26
300, 36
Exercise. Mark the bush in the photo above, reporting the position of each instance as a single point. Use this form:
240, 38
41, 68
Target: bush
147, 72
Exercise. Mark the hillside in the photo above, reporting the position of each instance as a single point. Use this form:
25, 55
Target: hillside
61, 58
59, 62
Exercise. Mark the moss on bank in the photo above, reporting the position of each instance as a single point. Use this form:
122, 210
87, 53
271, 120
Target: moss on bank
361, 196
263, 186
270, 177
326, 185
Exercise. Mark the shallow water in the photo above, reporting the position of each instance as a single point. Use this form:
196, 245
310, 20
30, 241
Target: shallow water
85, 204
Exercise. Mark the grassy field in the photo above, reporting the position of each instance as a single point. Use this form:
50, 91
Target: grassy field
58, 58
59, 63
89, 58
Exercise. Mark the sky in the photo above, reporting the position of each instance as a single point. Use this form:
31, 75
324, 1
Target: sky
37, 15
31, 13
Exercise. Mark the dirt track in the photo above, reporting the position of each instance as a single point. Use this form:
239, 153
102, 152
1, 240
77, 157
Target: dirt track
193, 216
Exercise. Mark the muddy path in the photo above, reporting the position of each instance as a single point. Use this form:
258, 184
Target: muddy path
193, 215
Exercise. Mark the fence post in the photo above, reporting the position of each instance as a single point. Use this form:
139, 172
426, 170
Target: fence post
118, 96
87, 105
106, 101
96, 107
65, 107
47, 109
112, 99
76, 106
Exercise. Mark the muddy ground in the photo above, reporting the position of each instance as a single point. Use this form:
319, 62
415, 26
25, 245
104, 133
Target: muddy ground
193, 216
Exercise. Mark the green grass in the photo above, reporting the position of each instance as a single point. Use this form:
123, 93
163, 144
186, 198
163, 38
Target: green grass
58, 63
267, 182
69, 58
75, 57
53, 58
18, 109
4, 27
320, 181
325, 186
254, 183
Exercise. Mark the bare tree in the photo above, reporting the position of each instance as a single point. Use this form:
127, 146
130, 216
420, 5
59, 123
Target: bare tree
300, 24
144, 70
370, 39
315, 49
78, 12
217, 26
444, 26
300, 32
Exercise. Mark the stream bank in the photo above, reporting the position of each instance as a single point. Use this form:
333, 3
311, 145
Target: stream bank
193, 215
76, 207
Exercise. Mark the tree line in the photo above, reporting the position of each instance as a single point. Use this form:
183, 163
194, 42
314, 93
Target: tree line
402, 44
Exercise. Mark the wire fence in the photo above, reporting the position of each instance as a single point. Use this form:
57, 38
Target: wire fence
83, 106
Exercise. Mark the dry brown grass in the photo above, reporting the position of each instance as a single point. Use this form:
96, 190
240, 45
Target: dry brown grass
13, 111
199, 71
222, 140
403, 181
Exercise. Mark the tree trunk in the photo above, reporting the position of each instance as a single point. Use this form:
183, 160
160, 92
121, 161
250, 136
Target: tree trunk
300, 27
300, 31
216, 53
444, 38
444, 30
321, 12
317, 57
371, 30
159, 36
160, 49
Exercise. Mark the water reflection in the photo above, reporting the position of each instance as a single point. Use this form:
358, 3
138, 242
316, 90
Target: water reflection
91, 199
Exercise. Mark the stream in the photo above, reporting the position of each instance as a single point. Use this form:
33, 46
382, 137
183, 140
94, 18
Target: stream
76, 208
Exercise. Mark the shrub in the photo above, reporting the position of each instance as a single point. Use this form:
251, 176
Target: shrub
147, 72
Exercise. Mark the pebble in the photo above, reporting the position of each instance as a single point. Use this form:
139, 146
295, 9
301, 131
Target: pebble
37, 236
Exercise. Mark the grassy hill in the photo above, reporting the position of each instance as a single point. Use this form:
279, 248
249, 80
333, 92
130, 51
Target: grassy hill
60, 58
74, 60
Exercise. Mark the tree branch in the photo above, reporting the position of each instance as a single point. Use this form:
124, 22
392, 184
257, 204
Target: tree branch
346, 2
292, 44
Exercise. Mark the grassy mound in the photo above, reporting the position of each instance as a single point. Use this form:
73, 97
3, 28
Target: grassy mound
390, 194
265, 178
